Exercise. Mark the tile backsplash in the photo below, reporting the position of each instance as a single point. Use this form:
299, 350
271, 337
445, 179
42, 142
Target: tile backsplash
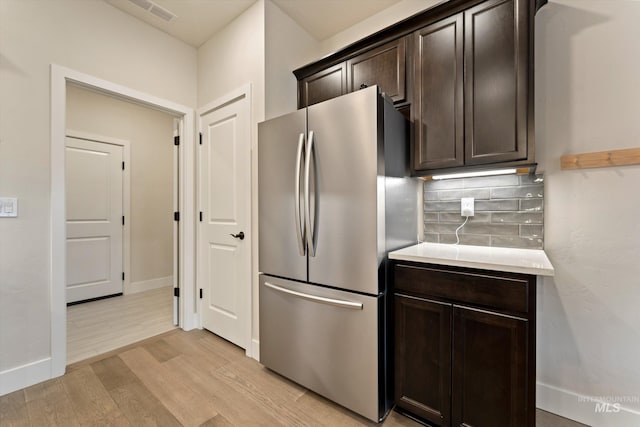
508, 211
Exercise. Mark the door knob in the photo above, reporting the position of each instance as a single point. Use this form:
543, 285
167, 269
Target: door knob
240, 235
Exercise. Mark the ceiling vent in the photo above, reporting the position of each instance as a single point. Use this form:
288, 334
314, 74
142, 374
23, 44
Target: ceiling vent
155, 9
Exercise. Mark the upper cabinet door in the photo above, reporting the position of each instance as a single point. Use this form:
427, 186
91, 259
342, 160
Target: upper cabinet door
438, 99
323, 85
383, 66
496, 81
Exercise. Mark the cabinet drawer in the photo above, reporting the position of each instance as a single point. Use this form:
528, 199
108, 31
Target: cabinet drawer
486, 289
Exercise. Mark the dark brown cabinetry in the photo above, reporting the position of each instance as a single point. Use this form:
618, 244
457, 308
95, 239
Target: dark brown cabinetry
462, 70
323, 85
423, 356
464, 346
496, 60
439, 101
383, 66
473, 95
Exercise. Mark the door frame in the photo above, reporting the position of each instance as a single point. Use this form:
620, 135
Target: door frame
126, 196
60, 77
243, 92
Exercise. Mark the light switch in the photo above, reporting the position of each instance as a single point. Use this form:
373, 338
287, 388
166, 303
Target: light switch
8, 207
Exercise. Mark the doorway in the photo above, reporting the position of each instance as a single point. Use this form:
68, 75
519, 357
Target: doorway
120, 222
60, 77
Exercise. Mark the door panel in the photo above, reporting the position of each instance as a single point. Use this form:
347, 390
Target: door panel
278, 140
489, 375
496, 81
94, 219
224, 261
345, 215
323, 85
439, 97
423, 358
383, 66
327, 347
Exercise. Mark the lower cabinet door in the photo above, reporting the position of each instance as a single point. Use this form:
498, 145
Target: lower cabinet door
489, 369
423, 358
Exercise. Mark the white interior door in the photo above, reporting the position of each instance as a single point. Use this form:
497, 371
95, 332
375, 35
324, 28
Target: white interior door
224, 261
94, 219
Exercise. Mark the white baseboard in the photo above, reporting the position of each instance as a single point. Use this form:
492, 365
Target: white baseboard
23, 376
586, 409
255, 349
147, 285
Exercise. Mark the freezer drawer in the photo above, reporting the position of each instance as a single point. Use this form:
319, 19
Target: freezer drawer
323, 339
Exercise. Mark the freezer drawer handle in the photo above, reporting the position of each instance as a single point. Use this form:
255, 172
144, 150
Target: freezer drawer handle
330, 301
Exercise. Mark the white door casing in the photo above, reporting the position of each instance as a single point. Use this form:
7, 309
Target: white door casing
224, 261
53, 366
94, 187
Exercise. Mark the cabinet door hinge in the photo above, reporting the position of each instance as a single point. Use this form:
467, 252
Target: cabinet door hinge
176, 140
176, 292
176, 216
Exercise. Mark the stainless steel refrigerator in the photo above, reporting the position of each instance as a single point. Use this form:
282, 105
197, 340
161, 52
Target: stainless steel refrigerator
334, 198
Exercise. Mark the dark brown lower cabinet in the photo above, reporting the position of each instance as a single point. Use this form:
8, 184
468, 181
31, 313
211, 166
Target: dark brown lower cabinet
458, 360
489, 369
423, 356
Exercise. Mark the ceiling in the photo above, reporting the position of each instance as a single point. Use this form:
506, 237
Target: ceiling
197, 20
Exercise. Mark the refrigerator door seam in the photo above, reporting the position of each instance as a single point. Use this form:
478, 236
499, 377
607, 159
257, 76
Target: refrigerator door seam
299, 220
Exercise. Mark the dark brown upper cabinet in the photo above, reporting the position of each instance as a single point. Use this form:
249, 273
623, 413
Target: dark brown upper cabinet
462, 71
383, 66
323, 85
438, 98
472, 91
496, 66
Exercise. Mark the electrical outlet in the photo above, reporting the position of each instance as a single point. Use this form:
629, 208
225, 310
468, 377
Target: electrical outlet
467, 206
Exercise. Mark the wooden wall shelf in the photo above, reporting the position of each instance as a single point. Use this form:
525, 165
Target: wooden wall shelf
601, 159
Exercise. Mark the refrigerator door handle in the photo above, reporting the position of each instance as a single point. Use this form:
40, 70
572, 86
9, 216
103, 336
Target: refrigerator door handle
307, 202
323, 300
299, 220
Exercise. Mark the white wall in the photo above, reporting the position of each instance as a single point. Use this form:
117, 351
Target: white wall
389, 16
150, 134
588, 99
92, 37
287, 46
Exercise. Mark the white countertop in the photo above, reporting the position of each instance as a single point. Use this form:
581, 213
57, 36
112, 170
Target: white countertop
527, 261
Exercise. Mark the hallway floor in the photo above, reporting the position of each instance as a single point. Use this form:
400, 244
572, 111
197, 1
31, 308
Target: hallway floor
96, 327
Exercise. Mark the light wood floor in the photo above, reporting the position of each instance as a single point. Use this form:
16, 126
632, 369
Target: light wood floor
99, 326
181, 378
